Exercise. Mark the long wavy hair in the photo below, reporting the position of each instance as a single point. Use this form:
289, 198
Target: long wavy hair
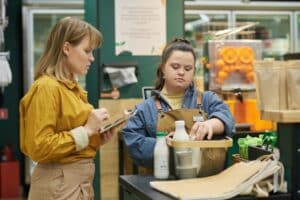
177, 44
68, 29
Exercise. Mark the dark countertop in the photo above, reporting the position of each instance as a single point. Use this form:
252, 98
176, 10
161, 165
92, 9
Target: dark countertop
140, 186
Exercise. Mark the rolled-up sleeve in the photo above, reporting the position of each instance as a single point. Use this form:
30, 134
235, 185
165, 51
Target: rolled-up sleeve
140, 145
216, 108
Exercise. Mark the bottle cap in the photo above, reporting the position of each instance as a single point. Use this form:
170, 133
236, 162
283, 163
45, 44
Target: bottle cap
160, 134
179, 122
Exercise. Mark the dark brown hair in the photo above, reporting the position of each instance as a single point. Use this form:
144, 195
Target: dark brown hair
177, 44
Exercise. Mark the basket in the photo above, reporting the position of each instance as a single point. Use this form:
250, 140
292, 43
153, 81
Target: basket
211, 159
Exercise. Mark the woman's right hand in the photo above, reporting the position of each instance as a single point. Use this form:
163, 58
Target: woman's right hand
94, 122
169, 136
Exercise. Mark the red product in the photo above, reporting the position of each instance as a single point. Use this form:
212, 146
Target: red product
7, 154
9, 179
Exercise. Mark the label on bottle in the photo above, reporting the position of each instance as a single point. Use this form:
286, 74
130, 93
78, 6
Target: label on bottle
161, 159
161, 167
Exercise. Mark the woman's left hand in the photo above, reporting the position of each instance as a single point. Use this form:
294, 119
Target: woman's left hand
200, 130
106, 136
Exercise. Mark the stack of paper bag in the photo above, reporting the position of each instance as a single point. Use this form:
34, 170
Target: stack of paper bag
237, 179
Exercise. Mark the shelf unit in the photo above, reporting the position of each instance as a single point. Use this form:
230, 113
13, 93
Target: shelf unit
288, 129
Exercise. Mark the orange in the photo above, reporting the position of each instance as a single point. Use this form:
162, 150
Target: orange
229, 55
246, 55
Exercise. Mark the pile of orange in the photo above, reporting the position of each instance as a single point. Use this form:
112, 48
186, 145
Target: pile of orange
235, 59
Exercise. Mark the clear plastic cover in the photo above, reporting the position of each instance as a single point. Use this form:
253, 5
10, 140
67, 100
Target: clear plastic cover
231, 63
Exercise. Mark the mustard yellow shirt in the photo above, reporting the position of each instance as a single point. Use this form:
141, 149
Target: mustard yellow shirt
52, 114
175, 101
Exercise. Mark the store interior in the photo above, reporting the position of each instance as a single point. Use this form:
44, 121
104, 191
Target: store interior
247, 53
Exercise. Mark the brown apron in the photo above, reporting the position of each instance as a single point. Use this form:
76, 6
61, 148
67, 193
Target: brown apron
54, 181
166, 123
212, 159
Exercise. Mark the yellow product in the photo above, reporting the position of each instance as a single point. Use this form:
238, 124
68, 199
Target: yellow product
246, 55
246, 68
262, 125
234, 59
221, 77
247, 112
239, 112
250, 76
238, 68
220, 64
229, 55
252, 115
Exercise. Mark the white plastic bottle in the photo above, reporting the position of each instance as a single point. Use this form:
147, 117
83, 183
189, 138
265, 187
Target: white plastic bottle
182, 155
180, 132
161, 157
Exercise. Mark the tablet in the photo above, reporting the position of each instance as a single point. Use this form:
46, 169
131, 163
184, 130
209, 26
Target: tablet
129, 114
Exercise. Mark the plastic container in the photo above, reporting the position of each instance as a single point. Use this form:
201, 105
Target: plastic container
180, 132
252, 115
247, 112
231, 63
182, 156
211, 159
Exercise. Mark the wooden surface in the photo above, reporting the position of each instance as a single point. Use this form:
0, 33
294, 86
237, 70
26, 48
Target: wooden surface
285, 116
202, 144
109, 153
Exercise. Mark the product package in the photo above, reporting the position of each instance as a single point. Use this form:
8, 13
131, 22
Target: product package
293, 83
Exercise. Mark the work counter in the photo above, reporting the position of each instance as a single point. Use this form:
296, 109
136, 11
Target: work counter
137, 187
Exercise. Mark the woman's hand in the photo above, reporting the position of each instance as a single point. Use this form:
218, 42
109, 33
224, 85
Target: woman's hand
207, 129
106, 136
170, 136
200, 130
94, 122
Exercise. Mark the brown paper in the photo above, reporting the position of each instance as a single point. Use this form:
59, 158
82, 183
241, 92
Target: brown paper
271, 85
293, 84
231, 182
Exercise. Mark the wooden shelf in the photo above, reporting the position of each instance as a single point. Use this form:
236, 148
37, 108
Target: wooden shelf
285, 116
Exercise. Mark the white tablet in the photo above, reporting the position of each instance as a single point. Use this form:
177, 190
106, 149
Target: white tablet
118, 121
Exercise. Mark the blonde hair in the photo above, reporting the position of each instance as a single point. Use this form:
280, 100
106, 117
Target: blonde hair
68, 29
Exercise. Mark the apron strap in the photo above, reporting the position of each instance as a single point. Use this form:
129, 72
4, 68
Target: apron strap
199, 99
158, 104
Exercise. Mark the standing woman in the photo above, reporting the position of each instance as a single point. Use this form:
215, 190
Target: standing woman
174, 89
58, 127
